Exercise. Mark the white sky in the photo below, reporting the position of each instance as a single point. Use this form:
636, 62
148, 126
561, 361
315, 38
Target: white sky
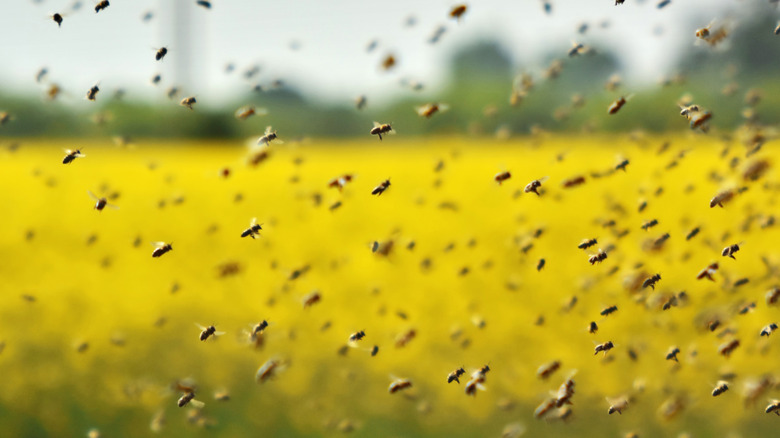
116, 48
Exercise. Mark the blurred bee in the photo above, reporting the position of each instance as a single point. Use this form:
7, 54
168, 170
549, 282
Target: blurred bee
620, 404
605, 347
268, 136
672, 354
722, 198
457, 11
755, 170
101, 5
378, 190
259, 328
374, 350
92, 93
774, 406
221, 395
721, 387
246, 112
161, 248
708, 272
688, 111
455, 375
587, 243
728, 348
713, 325
592, 327
188, 102
502, 176
399, 385
354, 337
545, 407
730, 250
546, 370
773, 296
53, 91
534, 186
573, 182
437, 34
267, 370
622, 165
57, 19
160, 54
649, 224
71, 155
699, 120
663, 3
651, 281
156, 79
597, 258
311, 299
380, 129
475, 383
204, 3
187, 398
253, 230
340, 182
4, 117
618, 2
777, 32
101, 203
768, 329
692, 233
565, 393
429, 109
360, 102
576, 49
388, 62
615, 106
207, 332
540, 265
39, 77
405, 338
608, 311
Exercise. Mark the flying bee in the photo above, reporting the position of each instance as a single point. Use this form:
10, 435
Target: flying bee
545, 407
622, 165
608, 311
774, 406
617, 405
92, 92
473, 385
101, 5
186, 399
546, 370
651, 281
692, 233
188, 102
354, 337
773, 296
399, 385
374, 350
730, 250
728, 348
340, 182
688, 111
649, 224
378, 190
248, 111
380, 128
502, 176
457, 11
268, 136
768, 329
597, 258
708, 272
311, 299
540, 264
57, 17
592, 327
587, 243
699, 120
156, 79
72, 154
267, 370
777, 32
615, 106
605, 347
101, 203
573, 182
721, 387
721, 198
161, 248
672, 354
429, 109
160, 54
4, 117
204, 3
565, 393
207, 332
253, 230
455, 375
534, 186
576, 49
405, 338
259, 328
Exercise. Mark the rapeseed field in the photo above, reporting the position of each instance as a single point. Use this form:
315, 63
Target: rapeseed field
440, 271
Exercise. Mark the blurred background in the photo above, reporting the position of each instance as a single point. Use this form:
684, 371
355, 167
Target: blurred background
302, 58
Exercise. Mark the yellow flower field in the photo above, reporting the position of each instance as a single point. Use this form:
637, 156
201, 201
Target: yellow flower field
96, 332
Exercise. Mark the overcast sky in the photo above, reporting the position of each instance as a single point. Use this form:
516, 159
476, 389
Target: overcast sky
116, 48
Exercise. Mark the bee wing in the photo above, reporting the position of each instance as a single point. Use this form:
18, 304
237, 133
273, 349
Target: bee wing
253, 222
261, 111
92, 195
268, 130
158, 244
218, 333
112, 206
199, 326
278, 141
197, 403
443, 107
377, 124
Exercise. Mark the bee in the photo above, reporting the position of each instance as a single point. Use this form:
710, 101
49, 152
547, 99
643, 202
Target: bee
268, 136
692, 233
378, 190
649, 224
722, 198
267, 370
605, 347
388, 62
189, 398
360, 102
354, 337
455, 375
160, 54
4, 117
380, 128
540, 265
374, 350
156, 79
405, 338
57, 19
713, 325
617, 405
101, 203
188, 102
728, 348
92, 93
546, 370
777, 32
248, 111
766, 331
730, 250
101, 5
533, 187
259, 328
476, 382
161, 248
502, 176
576, 49
587, 243
774, 406
699, 120
592, 327
545, 407
618, 2
672, 354
689, 110
708, 272
622, 165
207, 332
609, 310
597, 258
53, 91
253, 230
399, 385
429, 109
651, 281
772, 296
755, 170
204, 3
615, 106
721, 387
311, 299
340, 182
573, 182
457, 11
663, 3
565, 393
72, 154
